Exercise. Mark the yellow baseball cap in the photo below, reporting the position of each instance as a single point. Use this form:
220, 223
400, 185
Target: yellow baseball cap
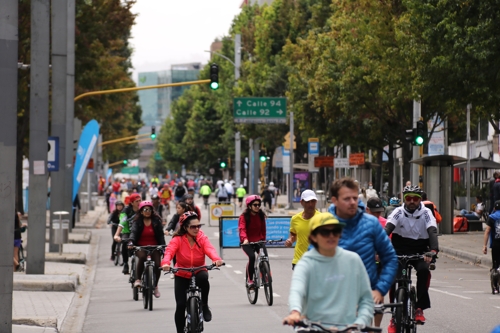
322, 219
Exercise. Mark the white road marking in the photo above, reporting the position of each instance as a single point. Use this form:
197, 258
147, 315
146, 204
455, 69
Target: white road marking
227, 265
475, 292
498, 307
450, 294
238, 272
216, 234
276, 295
273, 255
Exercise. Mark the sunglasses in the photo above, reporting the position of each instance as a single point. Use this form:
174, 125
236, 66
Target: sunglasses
412, 198
194, 227
326, 232
256, 205
146, 210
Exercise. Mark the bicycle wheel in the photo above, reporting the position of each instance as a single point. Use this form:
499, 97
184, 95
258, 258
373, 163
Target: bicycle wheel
412, 327
151, 286
192, 321
401, 311
267, 282
252, 293
22, 260
135, 291
145, 293
117, 253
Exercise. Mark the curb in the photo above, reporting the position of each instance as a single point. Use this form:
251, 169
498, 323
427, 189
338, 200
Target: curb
72, 258
43, 286
466, 256
36, 321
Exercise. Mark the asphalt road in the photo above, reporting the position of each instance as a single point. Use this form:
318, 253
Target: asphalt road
460, 295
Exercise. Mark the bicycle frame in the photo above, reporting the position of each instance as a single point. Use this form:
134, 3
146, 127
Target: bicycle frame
305, 325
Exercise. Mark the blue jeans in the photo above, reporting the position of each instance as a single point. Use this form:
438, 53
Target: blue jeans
469, 216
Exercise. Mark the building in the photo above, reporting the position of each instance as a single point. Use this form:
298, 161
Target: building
253, 2
155, 103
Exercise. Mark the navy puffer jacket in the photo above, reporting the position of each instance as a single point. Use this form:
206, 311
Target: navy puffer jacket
364, 235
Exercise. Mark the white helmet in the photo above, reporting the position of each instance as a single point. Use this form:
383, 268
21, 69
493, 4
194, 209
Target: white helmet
271, 184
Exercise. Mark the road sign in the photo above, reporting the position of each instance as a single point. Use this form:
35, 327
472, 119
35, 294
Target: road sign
53, 154
130, 170
220, 209
323, 161
313, 152
255, 110
357, 159
286, 143
341, 162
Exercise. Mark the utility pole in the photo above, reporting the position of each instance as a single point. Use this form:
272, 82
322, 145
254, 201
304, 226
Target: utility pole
70, 106
58, 202
237, 57
39, 132
237, 158
290, 183
415, 149
467, 174
250, 167
8, 141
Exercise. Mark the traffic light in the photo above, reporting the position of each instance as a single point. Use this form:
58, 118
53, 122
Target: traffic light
262, 156
153, 132
223, 164
125, 162
420, 134
214, 76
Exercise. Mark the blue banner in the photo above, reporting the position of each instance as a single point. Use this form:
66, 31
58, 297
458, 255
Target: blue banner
276, 228
86, 144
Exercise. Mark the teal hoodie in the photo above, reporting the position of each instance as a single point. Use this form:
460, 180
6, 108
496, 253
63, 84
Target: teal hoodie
332, 290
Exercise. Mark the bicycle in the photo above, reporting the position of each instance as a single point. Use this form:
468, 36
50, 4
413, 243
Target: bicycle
22, 259
118, 253
404, 316
262, 275
148, 278
194, 311
306, 325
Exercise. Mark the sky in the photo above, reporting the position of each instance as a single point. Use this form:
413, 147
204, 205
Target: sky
171, 32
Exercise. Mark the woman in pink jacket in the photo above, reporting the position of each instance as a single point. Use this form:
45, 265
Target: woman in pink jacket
190, 246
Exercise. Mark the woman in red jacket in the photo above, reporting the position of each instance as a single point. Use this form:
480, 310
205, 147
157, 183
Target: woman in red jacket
252, 228
190, 246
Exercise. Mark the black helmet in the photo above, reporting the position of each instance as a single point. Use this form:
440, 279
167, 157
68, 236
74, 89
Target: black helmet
415, 189
154, 197
191, 189
119, 202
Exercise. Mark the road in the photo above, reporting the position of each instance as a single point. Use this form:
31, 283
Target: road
460, 295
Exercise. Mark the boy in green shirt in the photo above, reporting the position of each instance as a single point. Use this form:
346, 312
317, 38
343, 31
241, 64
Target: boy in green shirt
240, 194
299, 225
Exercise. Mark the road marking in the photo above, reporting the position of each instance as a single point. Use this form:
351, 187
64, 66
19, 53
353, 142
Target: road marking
227, 265
238, 272
448, 293
273, 255
276, 295
498, 307
475, 292
216, 234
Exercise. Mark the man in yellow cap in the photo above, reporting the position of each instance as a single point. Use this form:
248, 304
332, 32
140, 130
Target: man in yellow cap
329, 267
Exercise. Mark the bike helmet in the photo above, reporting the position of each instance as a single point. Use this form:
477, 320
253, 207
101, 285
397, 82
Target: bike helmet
251, 199
412, 189
154, 197
394, 201
144, 204
191, 189
119, 202
187, 216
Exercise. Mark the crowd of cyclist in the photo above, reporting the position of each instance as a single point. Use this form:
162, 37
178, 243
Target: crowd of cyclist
364, 266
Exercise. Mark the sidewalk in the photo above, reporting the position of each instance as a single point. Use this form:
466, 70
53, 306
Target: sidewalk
41, 303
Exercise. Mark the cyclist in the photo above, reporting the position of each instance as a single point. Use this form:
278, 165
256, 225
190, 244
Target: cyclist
252, 228
240, 193
18, 229
147, 230
364, 235
205, 191
329, 267
267, 198
126, 218
190, 246
114, 220
414, 231
189, 200
394, 202
159, 209
299, 225
166, 196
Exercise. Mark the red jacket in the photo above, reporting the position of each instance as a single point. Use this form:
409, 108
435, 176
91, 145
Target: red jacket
255, 230
187, 256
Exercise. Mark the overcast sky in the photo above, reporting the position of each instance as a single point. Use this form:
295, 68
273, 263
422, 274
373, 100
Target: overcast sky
178, 31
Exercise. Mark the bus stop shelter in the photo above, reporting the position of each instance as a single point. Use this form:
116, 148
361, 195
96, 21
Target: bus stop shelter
438, 184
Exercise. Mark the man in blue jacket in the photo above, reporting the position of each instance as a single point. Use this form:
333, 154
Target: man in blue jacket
364, 235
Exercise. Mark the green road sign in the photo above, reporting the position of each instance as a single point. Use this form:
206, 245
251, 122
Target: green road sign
270, 110
130, 170
157, 156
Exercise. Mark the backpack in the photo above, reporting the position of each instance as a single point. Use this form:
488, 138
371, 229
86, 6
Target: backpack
460, 224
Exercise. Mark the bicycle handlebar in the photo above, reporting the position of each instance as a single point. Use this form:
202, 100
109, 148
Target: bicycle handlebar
379, 308
193, 269
263, 242
311, 325
148, 248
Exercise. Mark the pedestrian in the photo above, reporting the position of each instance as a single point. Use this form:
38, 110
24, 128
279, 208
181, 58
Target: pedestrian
362, 196
496, 174
326, 274
364, 235
299, 226
371, 192
76, 206
478, 211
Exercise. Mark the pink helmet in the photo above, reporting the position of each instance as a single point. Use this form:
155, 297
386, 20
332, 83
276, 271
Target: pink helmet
145, 203
187, 215
252, 198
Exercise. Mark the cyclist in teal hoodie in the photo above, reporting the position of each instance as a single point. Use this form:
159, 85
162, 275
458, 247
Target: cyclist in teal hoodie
329, 267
